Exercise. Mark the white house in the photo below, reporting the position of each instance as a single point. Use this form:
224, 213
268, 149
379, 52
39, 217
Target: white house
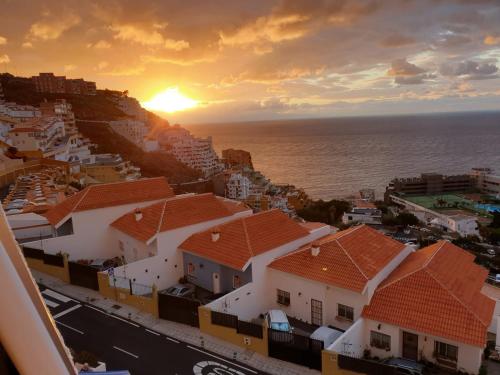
238, 186
81, 222
429, 308
329, 281
148, 238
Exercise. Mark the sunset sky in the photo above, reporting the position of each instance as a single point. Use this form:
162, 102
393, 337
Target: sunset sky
252, 60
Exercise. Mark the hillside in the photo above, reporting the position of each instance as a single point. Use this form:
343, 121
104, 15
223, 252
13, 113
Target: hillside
101, 108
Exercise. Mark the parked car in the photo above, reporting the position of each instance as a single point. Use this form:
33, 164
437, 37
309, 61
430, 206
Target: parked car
327, 335
277, 320
180, 290
405, 366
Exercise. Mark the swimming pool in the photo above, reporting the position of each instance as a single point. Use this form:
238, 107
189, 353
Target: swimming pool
488, 207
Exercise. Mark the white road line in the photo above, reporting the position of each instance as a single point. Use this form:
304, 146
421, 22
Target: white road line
124, 320
168, 338
57, 296
50, 303
71, 328
221, 359
153, 332
124, 351
96, 309
67, 311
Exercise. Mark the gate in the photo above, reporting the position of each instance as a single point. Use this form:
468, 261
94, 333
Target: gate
178, 309
298, 349
83, 275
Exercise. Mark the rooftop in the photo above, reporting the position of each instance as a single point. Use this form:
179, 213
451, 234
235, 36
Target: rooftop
175, 213
112, 194
347, 259
242, 239
436, 290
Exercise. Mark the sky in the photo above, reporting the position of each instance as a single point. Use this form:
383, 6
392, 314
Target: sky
267, 59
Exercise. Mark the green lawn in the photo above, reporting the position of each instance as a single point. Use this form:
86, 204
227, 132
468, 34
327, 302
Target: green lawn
447, 200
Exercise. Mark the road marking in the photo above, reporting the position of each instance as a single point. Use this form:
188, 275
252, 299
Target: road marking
221, 359
124, 320
168, 338
124, 351
67, 311
71, 328
153, 332
50, 303
96, 309
57, 296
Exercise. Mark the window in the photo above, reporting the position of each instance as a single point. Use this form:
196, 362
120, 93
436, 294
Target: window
236, 281
380, 341
190, 269
446, 351
345, 312
283, 297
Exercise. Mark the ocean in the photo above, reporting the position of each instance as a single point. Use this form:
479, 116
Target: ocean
336, 157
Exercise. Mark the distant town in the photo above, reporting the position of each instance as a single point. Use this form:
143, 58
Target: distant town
119, 213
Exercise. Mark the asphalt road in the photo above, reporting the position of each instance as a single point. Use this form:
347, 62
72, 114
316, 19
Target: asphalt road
125, 345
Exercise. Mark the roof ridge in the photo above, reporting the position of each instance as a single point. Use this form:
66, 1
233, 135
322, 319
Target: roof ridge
160, 222
81, 199
454, 296
400, 278
349, 231
249, 245
350, 258
434, 254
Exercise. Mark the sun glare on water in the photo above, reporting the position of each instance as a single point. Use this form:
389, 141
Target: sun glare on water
170, 100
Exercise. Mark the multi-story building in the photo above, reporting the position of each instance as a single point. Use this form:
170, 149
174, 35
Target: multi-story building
19, 113
197, 153
41, 134
133, 130
238, 187
50, 83
486, 181
428, 183
106, 168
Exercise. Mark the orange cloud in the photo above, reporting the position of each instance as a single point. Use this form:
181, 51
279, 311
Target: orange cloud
3, 40
4, 59
152, 38
52, 27
491, 40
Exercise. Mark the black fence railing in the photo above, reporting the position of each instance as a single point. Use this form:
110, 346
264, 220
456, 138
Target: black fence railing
364, 366
250, 329
83, 275
225, 320
30, 252
291, 347
178, 309
53, 260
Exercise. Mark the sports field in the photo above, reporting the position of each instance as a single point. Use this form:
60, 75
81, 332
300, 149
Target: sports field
441, 201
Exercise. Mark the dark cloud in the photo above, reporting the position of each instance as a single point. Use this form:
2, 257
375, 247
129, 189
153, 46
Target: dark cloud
406, 73
470, 69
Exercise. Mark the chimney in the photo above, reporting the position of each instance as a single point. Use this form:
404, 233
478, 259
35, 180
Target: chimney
215, 235
138, 214
315, 249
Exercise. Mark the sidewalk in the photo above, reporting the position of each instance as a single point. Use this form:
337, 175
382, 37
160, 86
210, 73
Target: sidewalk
181, 332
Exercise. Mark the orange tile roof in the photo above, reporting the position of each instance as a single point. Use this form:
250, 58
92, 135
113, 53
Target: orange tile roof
112, 194
313, 225
347, 259
175, 213
244, 238
436, 290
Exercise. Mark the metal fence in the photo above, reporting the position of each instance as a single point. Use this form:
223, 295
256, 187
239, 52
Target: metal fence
53, 260
250, 329
178, 309
30, 252
223, 319
83, 275
291, 347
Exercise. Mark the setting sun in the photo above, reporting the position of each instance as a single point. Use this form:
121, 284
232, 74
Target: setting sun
170, 100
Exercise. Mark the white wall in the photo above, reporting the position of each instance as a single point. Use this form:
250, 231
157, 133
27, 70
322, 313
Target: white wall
494, 293
166, 267
469, 357
352, 342
92, 238
133, 249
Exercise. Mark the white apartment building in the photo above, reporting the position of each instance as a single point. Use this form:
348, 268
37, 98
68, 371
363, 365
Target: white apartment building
486, 181
133, 130
362, 215
39, 134
197, 153
238, 187
19, 112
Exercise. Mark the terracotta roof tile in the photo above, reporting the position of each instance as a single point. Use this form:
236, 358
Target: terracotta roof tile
348, 259
244, 238
175, 213
436, 290
108, 195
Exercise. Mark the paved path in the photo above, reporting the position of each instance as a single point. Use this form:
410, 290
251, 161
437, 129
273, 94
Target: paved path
123, 344
180, 332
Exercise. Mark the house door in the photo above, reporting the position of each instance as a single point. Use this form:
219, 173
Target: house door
316, 312
215, 283
410, 346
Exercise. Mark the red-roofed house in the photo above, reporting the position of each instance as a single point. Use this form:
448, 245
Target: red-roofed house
236, 254
149, 237
81, 222
429, 308
328, 282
